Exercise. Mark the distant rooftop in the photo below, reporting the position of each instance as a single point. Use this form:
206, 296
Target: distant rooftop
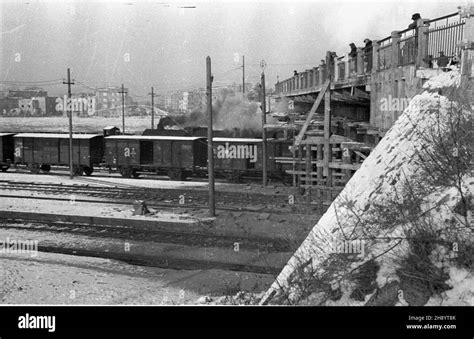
56, 135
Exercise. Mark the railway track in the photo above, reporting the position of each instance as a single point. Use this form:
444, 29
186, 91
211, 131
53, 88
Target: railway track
107, 192
167, 237
171, 237
153, 205
161, 197
170, 263
102, 172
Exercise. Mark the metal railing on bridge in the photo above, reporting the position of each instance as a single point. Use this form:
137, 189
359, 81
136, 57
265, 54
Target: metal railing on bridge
385, 53
443, 35
407, 46
415, 46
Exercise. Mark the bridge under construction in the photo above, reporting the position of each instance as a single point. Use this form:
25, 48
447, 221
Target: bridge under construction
339, 110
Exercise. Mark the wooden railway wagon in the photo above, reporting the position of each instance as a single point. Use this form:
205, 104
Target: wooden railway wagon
235, 158
41, 150
176, 156
6, 150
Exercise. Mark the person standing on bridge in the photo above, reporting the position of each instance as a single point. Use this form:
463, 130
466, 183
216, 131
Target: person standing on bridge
412, 44
353, 52
353, 56
443, 61
368, 55
368, 43
415, 17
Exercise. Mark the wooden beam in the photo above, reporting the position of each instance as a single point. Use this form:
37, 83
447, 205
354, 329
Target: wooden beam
294, 169
316, 104
363, 156
324, 188
357, 146
309, 175
319, 164
361, 94
327, 133
346, 97
300, 160
333, 139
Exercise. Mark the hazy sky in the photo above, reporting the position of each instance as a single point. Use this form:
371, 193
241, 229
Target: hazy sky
152, 43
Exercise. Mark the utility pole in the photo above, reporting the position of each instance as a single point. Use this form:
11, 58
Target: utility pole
264, 130
68, 107
123, 108
152, 109
243, 74
210, 153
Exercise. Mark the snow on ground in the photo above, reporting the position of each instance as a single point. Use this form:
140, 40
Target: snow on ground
63, 279
89, 209
95, 180
155, 249
109, 180
289, 226
444, 79
379, 178
462, 292
61, 124
21, 176
151, 183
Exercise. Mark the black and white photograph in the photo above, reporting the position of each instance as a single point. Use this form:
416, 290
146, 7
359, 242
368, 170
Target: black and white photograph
237, 156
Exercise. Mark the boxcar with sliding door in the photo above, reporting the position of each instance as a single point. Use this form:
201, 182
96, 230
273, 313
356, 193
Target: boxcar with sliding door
236, 158
6, 150
176, 156
40, 151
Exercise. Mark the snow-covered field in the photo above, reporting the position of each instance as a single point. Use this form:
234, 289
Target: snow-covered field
63, 279
135, 125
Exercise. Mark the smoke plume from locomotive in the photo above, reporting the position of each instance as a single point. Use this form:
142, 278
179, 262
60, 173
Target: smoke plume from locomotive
230, 112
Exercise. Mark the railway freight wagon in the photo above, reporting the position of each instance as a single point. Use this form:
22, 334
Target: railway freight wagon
235, 158
41, 150
176, 156
6, 150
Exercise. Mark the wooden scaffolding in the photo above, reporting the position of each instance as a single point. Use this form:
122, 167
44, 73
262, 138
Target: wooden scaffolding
323, 164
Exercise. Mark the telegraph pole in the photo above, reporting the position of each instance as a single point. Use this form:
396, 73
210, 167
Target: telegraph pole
264, 130
123, 108
243, 74
210, 153
68, 108
152, 109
